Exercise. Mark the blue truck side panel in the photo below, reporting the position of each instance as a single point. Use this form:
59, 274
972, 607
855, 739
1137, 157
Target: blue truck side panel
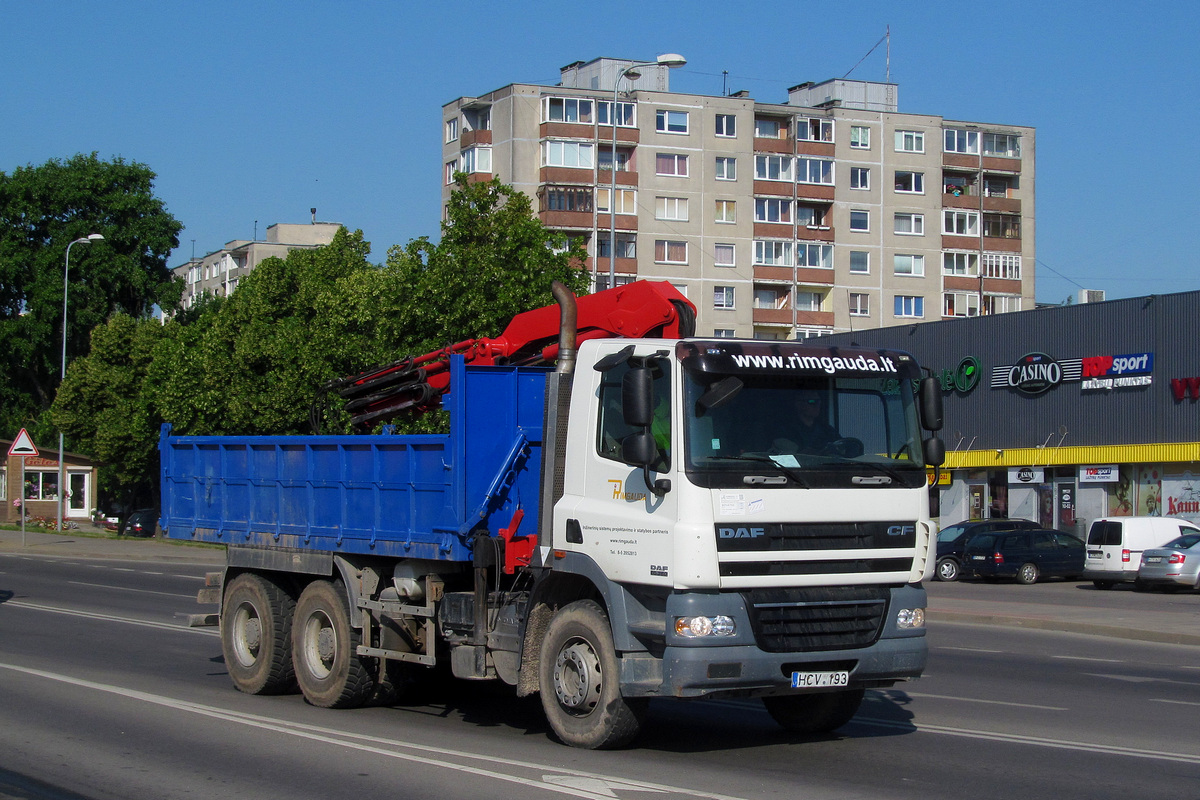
419, 496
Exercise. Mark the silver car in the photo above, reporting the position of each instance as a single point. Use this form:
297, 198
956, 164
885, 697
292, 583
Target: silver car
1174, 565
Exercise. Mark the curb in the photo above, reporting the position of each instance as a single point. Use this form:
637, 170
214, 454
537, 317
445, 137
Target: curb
1068, 626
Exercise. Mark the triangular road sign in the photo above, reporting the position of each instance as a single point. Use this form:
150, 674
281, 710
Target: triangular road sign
23, 445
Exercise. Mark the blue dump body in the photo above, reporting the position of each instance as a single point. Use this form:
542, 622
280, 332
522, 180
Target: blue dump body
419, 496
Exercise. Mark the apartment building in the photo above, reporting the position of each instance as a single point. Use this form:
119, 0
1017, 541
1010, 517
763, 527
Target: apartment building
832, 211
218, 272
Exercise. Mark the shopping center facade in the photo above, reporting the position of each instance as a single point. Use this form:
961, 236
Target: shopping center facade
1065, 414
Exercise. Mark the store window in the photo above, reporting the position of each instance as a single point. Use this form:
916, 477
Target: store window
41, 485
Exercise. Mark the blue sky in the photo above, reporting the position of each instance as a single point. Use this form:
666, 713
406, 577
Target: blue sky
257, 111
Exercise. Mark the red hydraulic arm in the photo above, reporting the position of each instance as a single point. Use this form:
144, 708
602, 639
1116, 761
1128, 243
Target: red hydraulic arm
650, 309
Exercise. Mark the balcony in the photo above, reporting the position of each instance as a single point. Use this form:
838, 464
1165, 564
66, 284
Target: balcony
569, 130
814, 233
814, 191
580, 220
604, 133
773, 230
566, 175
772, 316
775, 188
808, 148
472, 138
765, 145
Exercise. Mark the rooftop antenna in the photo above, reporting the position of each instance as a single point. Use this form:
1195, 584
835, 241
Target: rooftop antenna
256, 230
724, 87
887, 37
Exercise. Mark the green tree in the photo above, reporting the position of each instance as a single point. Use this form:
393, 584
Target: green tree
42, 209
495, 260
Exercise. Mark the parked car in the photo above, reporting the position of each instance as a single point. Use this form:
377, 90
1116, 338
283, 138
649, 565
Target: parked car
143, 522
1173, 566
1025, 555
1115, 545
952, 540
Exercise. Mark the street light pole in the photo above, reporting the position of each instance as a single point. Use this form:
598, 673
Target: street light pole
91, 237
669, 60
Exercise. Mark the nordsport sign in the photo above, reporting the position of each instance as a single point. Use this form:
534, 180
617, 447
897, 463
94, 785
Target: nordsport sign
1035, 373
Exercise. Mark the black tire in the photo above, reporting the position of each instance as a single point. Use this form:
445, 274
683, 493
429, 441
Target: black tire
1027, 574
947, 570
1105, 585
329, 670
579, 679
814, 713
256, 635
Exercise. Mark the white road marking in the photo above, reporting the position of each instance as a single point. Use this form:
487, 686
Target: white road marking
1087, 658
989, 702
576, 783
970, 649
107, 617
129, 589
1174, 702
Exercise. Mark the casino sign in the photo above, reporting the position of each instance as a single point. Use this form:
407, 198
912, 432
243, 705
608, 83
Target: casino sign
1035, 373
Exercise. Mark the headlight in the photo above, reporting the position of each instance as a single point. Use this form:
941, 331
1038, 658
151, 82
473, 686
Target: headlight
695, 627
910, 618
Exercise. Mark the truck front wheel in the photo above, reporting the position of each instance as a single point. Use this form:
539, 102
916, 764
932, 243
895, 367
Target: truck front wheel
580, 681
329, 670
256, 635
814, 713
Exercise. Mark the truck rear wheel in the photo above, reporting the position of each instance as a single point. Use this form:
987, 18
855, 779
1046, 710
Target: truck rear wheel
580, 683
329, 670
256, 635
814, 713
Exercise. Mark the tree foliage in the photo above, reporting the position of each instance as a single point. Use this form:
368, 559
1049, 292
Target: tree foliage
42, 209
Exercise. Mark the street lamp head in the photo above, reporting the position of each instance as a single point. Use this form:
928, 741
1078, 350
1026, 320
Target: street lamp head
91, 237
671, 60
95, 237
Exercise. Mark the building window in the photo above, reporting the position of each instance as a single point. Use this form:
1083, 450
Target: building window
860, 262
723, 333
961, 264
41, 485
772, 209
619, 280
1001, 303
809, 301
1002, 226
961, 141
773, 254
626, 201
810, 216
771, 298
1002, 265
626, 116
604, 159
860, 178
726, 211
814, 170
909, 306
910, 141
814, 255
910, 182
1003, 145
724, 255
626, 245
668, 252
726, 125
566, 109
907, 224
671, 208
566, 198
477, 159
723, 297
770, 129
452, 130
960, 223
451, 168
726, 168
904, 264
670, 121
3, 483
860, 220
960, 304
814, 130
671, 164
994, 186
773, 168
860, 304
578, 155
860, 137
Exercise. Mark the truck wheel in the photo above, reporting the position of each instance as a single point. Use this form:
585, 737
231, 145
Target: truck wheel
814, 713
579, 679
1027, 574
947, 570
256, 635
329, 670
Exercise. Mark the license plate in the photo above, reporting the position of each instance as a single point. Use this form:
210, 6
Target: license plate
1153, 559
1095, 554
816, 680
979, 558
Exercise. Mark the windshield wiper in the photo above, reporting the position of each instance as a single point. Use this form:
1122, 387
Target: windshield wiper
795, 475
891, 472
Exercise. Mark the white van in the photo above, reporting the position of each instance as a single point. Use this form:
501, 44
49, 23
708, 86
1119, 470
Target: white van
1115, 545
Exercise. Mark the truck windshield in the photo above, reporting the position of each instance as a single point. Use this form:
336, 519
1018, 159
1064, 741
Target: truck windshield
800, 426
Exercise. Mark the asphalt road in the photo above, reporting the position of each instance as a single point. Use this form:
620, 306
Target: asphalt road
105, 694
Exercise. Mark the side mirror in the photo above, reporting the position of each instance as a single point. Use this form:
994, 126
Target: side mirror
934, 451
931, 404
638, 449
637, 397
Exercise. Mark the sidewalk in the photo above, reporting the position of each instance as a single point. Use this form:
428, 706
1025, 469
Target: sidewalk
1057, 606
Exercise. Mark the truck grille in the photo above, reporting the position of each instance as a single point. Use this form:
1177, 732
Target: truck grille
810, 619
803, 536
